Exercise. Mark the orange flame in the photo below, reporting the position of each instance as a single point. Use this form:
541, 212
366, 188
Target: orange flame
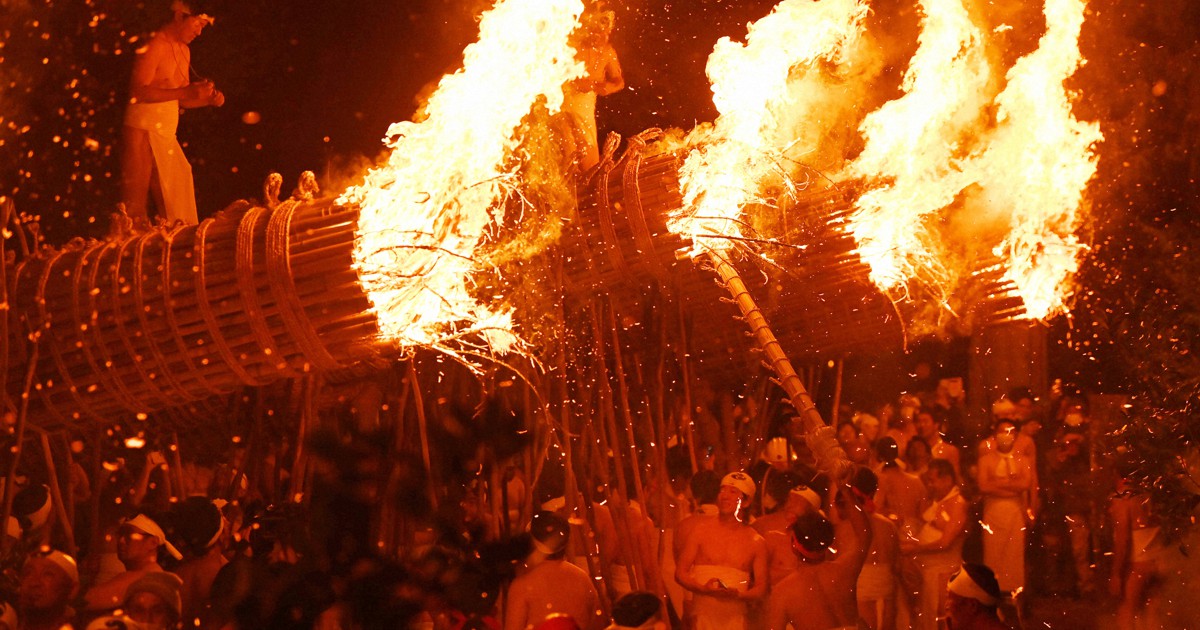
1038, 162
914, 143
737, 154
424, 213
933, 154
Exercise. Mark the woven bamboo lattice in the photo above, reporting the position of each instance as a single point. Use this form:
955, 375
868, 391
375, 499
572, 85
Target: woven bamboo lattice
172, 317
175, 316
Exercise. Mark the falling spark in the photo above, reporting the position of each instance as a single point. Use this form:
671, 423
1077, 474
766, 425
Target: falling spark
424, 213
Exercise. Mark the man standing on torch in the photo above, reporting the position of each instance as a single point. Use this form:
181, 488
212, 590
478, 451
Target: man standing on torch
162, 83
602, 79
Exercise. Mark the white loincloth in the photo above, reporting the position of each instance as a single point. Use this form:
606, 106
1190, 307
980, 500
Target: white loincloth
716, 613
1004, 541
160, 121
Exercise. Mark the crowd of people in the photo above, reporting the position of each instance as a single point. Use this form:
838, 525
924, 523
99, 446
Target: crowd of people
932, 528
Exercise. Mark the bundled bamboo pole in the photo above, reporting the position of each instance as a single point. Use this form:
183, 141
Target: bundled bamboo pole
822, 439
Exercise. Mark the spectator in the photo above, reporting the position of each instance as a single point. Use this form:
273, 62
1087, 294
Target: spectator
550, 584
1005, 479
49, 581
917, 456
938, 546
929, 428
138, 543
724, 561
876, 590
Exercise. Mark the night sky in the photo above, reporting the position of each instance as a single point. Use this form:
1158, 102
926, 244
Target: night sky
327, 78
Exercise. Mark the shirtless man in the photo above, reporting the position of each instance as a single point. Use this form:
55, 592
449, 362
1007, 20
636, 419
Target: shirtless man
549, 584
815, 595
624, 534
724, 561
1005, 479
138, 540
938, 545
603, 77
776, 530
930, 430
900, 492
151, 157
877, 581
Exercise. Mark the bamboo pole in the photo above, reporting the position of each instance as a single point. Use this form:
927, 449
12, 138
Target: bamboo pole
422, 427
10, 485
837, 393
822, 438
60, 509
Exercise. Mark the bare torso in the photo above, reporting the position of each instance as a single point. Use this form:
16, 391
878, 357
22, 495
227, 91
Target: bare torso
554, 586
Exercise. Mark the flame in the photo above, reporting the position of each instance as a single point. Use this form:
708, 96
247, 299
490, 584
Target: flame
750, 84
424, 213
915, 143
936, 156
1038, 163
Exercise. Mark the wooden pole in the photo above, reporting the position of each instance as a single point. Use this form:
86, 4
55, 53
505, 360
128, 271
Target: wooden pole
822, 438
60, 508
837, 393
685, 375
419, 402
10, 485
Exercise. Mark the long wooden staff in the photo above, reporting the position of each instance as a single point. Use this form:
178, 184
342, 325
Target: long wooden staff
822, 439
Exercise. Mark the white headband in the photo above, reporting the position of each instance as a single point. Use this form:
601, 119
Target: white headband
964, 586
148, 526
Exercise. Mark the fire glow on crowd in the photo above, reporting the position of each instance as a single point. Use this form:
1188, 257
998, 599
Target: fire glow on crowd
391, 379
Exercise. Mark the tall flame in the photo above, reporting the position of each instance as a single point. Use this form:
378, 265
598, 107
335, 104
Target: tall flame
935, 154
750, 84
424, 213
914, 143
1038, 162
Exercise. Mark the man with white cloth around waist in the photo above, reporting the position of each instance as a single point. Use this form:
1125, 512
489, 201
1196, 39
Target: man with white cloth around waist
724, 561
151, 157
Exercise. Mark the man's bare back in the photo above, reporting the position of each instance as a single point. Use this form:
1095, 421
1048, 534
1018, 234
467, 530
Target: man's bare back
554, 586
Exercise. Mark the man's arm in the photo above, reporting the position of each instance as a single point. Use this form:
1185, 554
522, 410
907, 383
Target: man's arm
683, 568
759, 577
954, 528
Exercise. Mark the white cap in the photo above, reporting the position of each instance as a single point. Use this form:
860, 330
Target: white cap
809, 495
963, 585
742, 482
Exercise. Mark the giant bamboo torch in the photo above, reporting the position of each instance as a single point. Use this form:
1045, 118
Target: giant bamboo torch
177, 315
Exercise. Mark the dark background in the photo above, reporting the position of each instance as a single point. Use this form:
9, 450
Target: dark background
327, 78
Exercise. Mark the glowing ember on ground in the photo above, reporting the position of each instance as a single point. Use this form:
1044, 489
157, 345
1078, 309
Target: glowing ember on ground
425, 212
750, 84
